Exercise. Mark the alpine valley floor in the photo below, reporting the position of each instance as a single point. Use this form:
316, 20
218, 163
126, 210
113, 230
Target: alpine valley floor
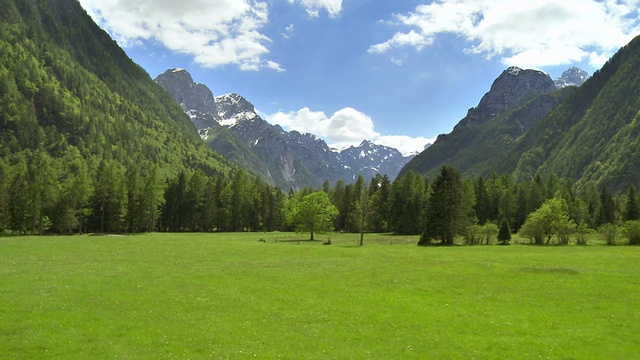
233, 296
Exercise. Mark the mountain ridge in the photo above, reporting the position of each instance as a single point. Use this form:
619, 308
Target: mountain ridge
588, 133
290, 159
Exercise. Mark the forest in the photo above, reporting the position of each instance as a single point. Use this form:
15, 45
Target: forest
45, 195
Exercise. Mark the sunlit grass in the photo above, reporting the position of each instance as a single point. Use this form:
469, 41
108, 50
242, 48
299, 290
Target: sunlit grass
232, 296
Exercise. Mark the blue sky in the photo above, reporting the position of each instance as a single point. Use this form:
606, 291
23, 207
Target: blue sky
395, 72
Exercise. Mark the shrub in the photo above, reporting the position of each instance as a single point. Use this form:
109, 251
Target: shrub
632, 231
610, 233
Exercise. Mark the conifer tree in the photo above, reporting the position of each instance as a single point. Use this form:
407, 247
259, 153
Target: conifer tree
504, 234
446, 215
632, 210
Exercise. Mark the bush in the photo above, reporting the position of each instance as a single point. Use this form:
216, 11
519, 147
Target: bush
610, 233
582, 233
632, 231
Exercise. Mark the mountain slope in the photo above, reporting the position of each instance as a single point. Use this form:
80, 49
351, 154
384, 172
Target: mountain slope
517, 100
590, 136
64, 83
593, 135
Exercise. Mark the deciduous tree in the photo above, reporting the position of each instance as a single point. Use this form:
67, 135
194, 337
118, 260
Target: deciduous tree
314, 214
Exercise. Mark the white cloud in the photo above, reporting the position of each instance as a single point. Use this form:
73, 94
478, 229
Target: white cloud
406, 144
288, 31
344, 128
333, 7
528, 34
214, 32
275, 66
411, 38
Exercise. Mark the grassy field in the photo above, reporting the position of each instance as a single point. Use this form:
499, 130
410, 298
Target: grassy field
191, 296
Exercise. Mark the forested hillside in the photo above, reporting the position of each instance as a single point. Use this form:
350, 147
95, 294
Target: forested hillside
588, 134
593, 135
77, 117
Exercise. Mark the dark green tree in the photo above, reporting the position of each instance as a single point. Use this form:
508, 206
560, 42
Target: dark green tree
482, 205
504, 234
446, 214
632, 208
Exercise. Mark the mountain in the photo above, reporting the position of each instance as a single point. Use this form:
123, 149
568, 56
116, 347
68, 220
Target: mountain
232, 127
516, 101
589, 133
592, 137
510, 89
571, 77
369, 159
67, 88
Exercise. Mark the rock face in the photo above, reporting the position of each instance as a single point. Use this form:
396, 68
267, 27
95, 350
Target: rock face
512, 87
288, 159
571, 77
195, 99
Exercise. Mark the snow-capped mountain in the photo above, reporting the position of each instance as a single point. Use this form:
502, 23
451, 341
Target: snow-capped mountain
230, 124
370, 159
571, 77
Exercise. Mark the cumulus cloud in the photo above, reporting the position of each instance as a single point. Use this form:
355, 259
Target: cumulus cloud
528, 34
333, 7
344, 128
214, 32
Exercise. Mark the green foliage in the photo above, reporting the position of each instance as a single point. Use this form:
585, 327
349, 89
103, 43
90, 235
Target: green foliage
632, 204
631, 231
610, 233
504, 233
447, 215
480, 234
314, 214
551, 219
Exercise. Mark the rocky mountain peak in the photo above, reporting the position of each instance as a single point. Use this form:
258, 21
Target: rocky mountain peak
573, 76
191, 96
511, 88
229, 105
229, 123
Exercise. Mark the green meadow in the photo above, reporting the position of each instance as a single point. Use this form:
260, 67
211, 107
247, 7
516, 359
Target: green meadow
192, 296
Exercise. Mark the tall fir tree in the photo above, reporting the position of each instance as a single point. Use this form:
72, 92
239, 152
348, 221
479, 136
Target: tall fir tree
446, 213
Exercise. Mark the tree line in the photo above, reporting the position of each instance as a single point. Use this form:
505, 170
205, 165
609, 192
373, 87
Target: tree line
42, 194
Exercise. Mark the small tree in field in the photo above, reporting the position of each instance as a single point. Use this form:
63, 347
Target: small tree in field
314, 213
504, 234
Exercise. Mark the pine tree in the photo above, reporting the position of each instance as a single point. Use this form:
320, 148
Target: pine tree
632, 210
482, 205
504, 234
446, 215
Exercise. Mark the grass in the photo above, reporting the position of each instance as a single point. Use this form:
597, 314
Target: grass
230, 296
